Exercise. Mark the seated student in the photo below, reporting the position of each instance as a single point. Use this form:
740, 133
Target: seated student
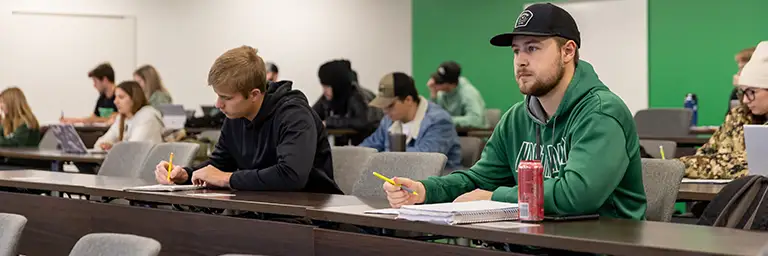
582, 132
272, 72
741, 59
137, 120
457, 95
103, 77
344, 104
152, 86
270, 141
19, 125
426, 126
724, 155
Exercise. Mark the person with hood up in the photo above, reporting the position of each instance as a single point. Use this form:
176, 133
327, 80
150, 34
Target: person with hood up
270, 140
344, 104
582, 133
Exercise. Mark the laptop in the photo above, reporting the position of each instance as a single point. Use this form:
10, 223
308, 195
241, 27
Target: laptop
756, 140
70, 141
209, 110
174, 116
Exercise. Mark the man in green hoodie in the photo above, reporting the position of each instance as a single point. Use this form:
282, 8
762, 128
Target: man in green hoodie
456, 95
583, 134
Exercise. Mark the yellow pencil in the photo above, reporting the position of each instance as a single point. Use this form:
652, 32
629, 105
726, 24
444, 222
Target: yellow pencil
661, 148
390, 181
170, 166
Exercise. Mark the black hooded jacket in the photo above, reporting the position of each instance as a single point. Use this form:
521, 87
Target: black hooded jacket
284, 148
349, 107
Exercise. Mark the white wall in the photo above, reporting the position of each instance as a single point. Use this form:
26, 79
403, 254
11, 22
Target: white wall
614, 39
182, 38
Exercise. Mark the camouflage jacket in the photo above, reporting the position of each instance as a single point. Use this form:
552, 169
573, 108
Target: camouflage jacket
724, 156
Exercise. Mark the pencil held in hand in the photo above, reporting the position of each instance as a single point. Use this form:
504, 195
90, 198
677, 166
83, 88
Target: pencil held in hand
390, 181
170, 166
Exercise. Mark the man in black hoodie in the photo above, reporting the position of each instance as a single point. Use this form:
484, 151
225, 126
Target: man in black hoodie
270, 141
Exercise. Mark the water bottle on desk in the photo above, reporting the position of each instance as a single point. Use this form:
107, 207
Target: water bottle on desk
692, 103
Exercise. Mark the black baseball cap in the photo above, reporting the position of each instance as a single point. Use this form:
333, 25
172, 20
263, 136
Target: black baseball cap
393, 86
541, 20
447, 72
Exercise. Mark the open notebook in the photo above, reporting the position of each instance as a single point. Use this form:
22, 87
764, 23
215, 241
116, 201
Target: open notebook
460, 213
164, 188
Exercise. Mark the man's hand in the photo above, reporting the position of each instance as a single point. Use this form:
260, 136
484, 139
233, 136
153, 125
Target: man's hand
178, 174
474, 195
432, 88
106, 146
398, 197
211, 176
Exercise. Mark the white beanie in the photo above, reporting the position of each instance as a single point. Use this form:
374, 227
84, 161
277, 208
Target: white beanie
755, 73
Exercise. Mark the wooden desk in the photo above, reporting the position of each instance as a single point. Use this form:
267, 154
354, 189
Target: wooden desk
609, 236
681, 141
51, 155
339, 132
55, 224
703, 129
698, 192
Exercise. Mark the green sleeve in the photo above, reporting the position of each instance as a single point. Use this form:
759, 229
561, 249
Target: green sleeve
596, 164
18, 138
474, 111
160, 98
490, 172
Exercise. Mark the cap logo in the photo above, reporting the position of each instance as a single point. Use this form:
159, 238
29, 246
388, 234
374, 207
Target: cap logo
441, 71
523, 19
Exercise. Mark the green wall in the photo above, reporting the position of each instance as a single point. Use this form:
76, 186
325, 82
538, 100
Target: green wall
691, 47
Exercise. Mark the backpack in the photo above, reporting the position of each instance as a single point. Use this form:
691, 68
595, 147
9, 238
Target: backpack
740, 204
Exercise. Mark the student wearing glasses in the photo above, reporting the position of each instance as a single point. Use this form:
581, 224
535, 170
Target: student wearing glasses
724, 156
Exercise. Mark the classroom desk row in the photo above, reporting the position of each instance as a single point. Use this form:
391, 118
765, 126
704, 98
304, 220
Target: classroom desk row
55, 223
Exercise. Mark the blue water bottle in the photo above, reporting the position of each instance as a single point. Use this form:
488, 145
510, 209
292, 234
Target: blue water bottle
692, 103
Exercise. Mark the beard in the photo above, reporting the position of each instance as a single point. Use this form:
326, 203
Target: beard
542, 85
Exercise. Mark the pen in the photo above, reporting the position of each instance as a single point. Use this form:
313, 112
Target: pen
170, 166
390, 181
661, 148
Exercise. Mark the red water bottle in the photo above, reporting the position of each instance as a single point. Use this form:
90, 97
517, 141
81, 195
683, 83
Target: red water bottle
530, 190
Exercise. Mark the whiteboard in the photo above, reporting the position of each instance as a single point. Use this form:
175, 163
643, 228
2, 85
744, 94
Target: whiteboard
614, 39
52, 53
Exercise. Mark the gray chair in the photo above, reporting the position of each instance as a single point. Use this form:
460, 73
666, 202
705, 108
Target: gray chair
212, 135
98, 244
471, 149
664, 122
11, 226
661, 182
122, 158
652, 147
492, 116
348, 164
183, 154
413, 165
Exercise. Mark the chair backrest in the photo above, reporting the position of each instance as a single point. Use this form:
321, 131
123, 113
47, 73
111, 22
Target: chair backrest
183, 154
492, 116
471, 148
11, 226
661, 181
413, 165
348, 164
122, 158
664, 122
652, 148
97, 244
212, 135
48, 141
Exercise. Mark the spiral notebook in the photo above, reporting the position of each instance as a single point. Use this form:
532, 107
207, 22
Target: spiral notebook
460, 213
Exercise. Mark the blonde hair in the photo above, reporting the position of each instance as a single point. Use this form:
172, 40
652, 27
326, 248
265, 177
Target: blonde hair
239, 70
17, 111
152, 80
